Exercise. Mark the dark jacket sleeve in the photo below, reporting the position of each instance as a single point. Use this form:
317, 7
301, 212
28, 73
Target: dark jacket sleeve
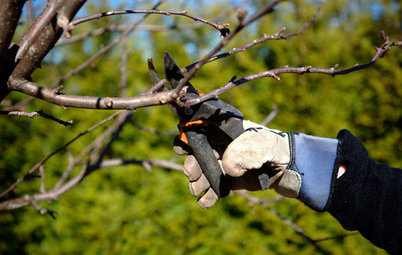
368, 197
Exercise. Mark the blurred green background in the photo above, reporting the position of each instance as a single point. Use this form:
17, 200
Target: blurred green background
128, 210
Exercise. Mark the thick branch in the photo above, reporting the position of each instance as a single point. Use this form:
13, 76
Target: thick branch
35, 29
10, 12
87, 102
46, 40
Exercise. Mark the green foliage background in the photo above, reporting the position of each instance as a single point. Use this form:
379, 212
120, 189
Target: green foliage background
127, 210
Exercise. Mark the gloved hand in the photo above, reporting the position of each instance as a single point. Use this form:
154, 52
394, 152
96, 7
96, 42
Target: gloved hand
307, 177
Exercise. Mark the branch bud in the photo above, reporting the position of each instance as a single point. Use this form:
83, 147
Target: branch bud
241, 15
62, 21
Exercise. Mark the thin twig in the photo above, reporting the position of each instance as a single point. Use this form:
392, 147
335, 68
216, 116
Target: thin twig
122, 28
380, 51
242, 24
121, 123
34, 114
270, 116
41, 210
123, 67
97, 143
260, 201
276, 36
154, 162
74, 23
53, 194
148, 27
42, 188
30, 14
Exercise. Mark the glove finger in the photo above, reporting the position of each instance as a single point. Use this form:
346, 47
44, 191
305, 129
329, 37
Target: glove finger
199, 186
191, 168
208, 199
179, 147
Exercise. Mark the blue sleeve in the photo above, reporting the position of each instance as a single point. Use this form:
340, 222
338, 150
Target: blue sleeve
314, 159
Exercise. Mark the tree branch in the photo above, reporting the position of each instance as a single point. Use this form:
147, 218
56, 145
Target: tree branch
154, 162
122, 28
270, 116
53, 194
277, 36
102, 51
93, 146
149, 27
10, 13
38, 113
30, 13
242, 24
35, 29
87, 102
165, 97
74, 23
380, 51
45, 40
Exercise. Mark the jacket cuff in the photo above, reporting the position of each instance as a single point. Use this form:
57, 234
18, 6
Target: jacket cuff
314, 159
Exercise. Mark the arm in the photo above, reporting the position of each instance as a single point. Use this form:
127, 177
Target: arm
368, 197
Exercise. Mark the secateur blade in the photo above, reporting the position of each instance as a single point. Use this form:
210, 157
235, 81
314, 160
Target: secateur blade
155, 80
174, 75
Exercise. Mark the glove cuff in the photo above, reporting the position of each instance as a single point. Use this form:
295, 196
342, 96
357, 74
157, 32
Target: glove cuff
314, 159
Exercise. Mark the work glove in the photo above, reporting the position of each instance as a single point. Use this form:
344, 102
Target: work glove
298, 165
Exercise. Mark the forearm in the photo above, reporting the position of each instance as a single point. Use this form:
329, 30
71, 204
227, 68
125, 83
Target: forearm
367, 197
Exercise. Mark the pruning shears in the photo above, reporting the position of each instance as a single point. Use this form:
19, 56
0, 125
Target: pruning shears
211, 124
